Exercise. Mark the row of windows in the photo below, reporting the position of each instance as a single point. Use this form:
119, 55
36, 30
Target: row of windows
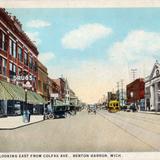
16, 52
12, 68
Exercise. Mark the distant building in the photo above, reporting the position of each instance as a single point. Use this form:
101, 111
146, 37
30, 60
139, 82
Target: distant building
60, 82
152, 89
135, 93
53, 88
42, 88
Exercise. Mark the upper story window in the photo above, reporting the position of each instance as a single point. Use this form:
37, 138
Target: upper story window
12, 46
3, 41
30, 62
12, 69
4, 66
26, 58
20, 56
35, 66
20, 71
44, 87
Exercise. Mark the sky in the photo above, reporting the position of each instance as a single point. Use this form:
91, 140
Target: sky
94, 48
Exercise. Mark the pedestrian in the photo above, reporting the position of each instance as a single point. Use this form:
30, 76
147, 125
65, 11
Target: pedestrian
45, 112
29, 115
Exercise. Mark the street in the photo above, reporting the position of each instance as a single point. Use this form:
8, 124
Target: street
105, 132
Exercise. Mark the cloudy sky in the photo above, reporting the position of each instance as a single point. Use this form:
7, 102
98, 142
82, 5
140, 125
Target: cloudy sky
94, 48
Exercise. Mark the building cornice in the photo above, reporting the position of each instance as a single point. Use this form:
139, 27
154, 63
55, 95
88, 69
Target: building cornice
8, 22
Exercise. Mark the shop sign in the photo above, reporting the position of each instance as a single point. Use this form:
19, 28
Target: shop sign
24, 78
54, 95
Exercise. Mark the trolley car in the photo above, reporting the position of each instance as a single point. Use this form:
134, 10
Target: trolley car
113, 106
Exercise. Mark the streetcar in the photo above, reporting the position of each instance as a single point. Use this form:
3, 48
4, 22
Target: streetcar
113, 106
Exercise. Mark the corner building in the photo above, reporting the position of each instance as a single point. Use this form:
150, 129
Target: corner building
135, 93
18, 54
152, 89
18, 57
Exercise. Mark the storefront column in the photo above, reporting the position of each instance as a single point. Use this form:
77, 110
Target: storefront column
152, 98
156, 96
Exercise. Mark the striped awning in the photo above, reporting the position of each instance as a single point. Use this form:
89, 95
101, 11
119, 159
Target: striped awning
4, 95
10, 91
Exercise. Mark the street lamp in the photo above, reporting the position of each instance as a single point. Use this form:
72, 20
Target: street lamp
25, 99
25, 107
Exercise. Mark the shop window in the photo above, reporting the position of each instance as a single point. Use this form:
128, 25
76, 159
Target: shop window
20, 56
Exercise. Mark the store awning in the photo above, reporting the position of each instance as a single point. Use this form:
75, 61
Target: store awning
13, 90
4, 95
10, 91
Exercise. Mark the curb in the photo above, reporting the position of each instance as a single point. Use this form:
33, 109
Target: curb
22, 125
154, 113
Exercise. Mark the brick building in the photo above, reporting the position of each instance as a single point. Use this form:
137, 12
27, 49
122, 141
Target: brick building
42, 88
62, 84
18, 57
52, 87
18, 54
135, 93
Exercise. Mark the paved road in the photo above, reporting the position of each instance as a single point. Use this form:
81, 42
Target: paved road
101, 132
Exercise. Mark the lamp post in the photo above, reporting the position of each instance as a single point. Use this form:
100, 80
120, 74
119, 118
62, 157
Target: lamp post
25, 99
25, 107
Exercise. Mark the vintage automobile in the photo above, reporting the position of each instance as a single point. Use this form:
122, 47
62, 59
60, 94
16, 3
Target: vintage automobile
55, 111
92, 109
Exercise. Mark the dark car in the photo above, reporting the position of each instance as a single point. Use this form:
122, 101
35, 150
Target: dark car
92, 109
133, 108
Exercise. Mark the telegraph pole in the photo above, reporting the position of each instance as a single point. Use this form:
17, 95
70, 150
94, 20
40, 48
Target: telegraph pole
133, 72
122, 91
118, 90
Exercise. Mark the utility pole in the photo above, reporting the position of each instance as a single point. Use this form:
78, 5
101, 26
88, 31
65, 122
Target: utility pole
133, 72
118, 91
122, 91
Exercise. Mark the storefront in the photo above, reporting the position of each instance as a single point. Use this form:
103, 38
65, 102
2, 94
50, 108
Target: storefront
152, 89
12, 100
135, 94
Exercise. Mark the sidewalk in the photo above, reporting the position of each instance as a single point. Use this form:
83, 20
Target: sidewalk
149, 112
9, 123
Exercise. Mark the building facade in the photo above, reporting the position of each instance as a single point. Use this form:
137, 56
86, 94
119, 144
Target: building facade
18, 54
42, 88
135, 93
152, 89
18, 58
53, 88
61, 83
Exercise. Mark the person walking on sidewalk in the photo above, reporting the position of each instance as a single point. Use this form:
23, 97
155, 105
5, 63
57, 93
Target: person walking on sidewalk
29, 115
